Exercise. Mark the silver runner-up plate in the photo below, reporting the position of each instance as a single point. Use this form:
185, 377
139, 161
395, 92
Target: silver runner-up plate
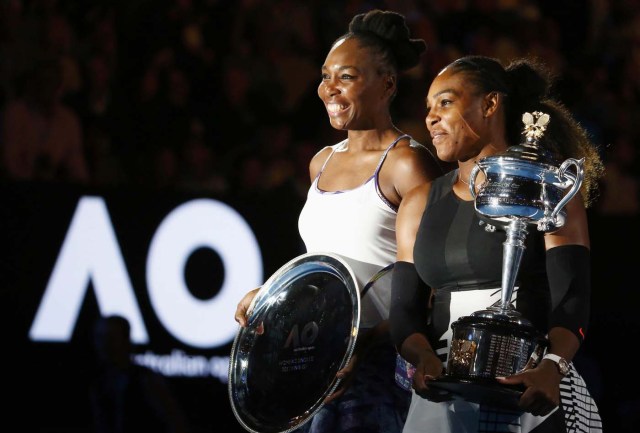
302, 329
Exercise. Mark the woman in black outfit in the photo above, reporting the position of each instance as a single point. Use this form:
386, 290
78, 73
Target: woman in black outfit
449, 261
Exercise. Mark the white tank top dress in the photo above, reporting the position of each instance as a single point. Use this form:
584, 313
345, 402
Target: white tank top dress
359, 225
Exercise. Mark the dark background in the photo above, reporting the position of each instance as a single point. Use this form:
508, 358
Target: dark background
179, 99
49, 382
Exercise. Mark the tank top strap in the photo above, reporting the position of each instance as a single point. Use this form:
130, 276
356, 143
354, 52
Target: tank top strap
333, 150
375, 174
384, 155
441, 186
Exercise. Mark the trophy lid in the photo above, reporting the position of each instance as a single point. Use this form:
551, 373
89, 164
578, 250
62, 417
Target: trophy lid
508, 316
302, 329
530, 151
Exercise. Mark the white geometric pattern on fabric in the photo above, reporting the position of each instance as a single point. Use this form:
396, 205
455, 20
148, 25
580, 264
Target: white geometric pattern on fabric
580, 410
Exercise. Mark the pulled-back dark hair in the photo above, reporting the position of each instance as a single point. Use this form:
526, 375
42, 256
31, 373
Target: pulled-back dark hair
387, 34
527, 83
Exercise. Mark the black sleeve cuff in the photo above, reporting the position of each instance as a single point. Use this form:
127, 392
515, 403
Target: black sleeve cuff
409, 311
569, 274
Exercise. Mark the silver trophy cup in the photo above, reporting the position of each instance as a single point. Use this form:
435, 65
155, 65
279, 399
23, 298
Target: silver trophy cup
523, 186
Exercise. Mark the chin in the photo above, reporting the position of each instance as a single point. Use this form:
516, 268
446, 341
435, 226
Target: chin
336, 125
442, 156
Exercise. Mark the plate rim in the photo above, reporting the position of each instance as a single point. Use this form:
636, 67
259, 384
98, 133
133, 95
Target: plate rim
252, 312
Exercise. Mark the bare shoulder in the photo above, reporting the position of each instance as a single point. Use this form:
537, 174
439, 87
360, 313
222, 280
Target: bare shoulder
412, 156
411, 164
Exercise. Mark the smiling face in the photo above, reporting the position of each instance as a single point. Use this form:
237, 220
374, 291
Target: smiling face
354, 91
457, 117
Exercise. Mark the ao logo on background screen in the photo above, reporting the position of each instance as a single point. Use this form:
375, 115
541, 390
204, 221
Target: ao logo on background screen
91, 253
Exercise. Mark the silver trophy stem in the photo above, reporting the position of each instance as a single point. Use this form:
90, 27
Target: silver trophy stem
521, 186
512, 250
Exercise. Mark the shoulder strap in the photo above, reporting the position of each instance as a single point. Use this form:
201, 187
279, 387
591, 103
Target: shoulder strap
441, 186
333, 149
384, 155
375, 173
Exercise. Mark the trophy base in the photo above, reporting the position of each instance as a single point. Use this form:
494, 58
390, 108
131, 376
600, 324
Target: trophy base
484, 391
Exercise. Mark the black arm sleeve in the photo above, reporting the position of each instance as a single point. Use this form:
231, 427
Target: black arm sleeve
569, 273
409, 303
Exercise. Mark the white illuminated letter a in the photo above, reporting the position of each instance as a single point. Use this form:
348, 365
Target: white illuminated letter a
90, 252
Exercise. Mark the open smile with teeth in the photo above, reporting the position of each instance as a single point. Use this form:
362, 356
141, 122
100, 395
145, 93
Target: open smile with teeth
335, 109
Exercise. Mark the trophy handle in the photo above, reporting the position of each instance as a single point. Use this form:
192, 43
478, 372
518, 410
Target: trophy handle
472, 180
574, 188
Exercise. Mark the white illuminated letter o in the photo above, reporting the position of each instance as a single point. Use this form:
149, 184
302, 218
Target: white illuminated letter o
196, 224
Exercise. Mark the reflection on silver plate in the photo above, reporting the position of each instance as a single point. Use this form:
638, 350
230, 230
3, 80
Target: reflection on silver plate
302, 329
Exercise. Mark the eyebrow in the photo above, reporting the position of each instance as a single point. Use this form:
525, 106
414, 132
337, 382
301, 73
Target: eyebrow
441, 92
342, 68
450, 90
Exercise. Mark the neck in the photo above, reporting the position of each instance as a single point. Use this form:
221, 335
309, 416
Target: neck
462, 177
372, 139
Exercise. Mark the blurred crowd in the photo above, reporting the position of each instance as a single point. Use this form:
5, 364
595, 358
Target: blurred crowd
219, 96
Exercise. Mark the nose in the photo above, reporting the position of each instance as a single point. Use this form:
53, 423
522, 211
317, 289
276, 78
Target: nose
431, 119
330, 87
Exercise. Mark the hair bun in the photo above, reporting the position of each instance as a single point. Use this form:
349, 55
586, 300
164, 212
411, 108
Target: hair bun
529, 80
408, 52
392, 28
